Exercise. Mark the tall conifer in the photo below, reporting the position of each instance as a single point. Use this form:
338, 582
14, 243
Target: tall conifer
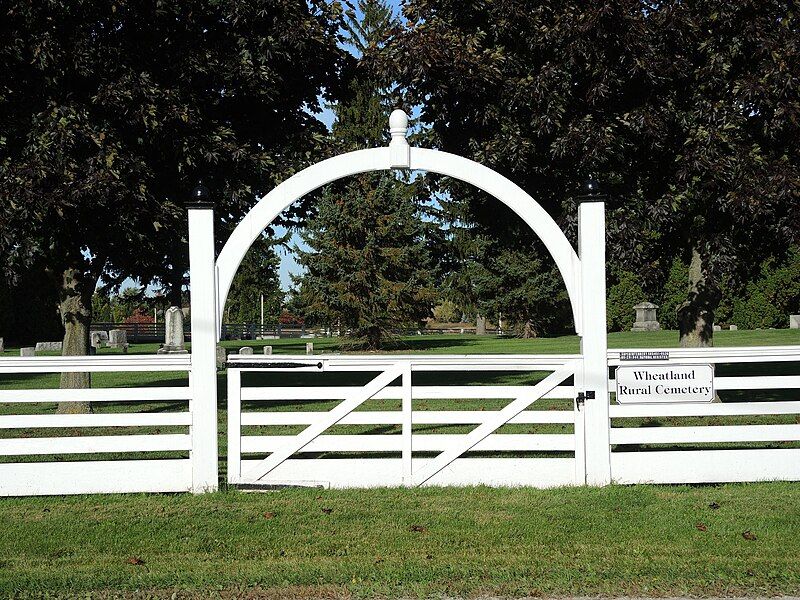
367, 268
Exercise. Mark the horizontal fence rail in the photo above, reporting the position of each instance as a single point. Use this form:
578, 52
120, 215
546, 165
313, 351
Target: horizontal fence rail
26, 469
315, 455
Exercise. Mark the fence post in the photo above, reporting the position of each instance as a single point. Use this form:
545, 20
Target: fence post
203, 289
594, 342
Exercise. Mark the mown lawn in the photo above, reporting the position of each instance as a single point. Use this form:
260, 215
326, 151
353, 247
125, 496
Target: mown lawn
725, 540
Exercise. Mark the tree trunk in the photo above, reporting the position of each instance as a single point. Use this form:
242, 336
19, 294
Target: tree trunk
696, 314
529, 331
76, 316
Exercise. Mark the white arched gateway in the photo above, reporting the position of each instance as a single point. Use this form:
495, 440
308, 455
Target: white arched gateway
584, 278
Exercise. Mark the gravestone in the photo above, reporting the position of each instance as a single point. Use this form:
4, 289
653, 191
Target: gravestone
310, 348
48, 346
716, 327
2, 345
29, 351
480, 325
646, 317
173, 332
794, 321
117, 338
733, 328
246, 350
222, 357
267, 349
99, 339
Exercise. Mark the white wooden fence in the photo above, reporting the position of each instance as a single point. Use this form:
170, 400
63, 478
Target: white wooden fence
529, 433
310, 457
669, 453
29, 465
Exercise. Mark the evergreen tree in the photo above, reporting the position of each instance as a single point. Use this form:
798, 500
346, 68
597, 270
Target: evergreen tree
257, 275
367, 270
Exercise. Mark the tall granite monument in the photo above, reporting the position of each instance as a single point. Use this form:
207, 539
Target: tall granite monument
173, 334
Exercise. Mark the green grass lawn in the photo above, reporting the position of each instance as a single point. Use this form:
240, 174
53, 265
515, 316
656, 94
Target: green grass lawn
392, 543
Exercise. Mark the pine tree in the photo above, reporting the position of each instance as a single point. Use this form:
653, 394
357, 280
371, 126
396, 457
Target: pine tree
257, 275
367, 270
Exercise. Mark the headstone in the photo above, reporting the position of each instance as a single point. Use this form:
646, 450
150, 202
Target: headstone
99, 339
117, 338
716, 327
794, 321
480, 325
173, 328
48, 346
30, 351
246, 350
646, 317
310, 348
2, 345
267, 349
733, 328
222, 357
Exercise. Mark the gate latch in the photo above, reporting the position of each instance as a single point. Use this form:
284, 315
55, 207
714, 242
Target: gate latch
582, 397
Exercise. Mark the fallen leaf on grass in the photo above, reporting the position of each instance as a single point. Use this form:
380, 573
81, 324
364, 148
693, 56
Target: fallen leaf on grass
749, 535
327, 511
701, 527
269, 515
418, 528
713, 506
135, 560
750, 573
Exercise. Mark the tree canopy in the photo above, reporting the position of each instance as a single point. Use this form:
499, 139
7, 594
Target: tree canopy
111, 111
684, 110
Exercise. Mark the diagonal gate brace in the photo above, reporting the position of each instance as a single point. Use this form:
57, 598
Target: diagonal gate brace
305, 437
486, 428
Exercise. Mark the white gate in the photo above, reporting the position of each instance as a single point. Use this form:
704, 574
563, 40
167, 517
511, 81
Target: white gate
388, 432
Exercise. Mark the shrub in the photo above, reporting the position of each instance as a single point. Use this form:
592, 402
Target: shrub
772, 297
447, 312
622, 297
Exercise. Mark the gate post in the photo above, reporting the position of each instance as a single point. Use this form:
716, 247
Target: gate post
203, 289
594, 342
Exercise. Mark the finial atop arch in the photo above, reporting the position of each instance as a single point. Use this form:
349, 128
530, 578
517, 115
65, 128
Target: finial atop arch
399, 148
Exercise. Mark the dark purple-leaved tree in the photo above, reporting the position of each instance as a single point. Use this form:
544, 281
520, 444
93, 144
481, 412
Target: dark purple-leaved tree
687, 111
111, 111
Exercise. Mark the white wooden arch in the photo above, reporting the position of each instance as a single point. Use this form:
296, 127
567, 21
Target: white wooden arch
583, 273
399, 156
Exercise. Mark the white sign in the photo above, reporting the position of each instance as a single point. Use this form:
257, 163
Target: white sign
664, 384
